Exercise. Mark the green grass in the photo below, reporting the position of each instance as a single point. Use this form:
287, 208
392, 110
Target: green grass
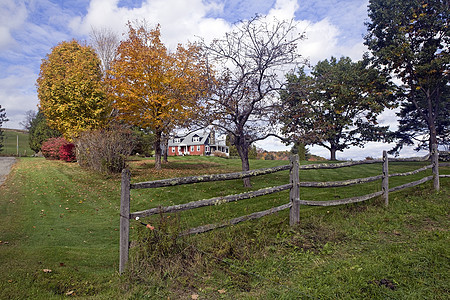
10, 143
57, 216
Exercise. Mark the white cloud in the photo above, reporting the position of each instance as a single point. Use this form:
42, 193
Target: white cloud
13, 16
321, 40
17, 94
283, 9
180, 20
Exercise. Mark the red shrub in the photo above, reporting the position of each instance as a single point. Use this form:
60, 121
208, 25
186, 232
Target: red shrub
67, 152
58, 148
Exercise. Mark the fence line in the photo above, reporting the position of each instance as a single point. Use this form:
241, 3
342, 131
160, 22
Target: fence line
412, 172
411, 184
206, 178
209, 202
256, 215
326, 184
294, 194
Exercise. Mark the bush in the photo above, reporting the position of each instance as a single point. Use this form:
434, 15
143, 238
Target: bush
219, 154
67, 153
51, 147
105, 150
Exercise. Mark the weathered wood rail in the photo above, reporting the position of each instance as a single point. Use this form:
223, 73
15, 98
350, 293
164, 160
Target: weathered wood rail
294, 194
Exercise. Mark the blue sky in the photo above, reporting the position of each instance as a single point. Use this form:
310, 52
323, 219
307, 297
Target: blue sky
30, 28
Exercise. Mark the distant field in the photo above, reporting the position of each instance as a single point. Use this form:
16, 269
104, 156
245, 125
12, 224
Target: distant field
10, 143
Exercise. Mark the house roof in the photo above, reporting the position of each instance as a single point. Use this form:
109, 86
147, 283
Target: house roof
188, 140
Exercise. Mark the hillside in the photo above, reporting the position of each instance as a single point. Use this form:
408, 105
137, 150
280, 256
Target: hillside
10, 143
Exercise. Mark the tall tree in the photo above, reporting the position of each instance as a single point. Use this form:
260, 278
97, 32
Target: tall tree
413, 132
411, 39
39, 131
2, 119
105, 43
154, 88
336, 106
248, 60
70, 89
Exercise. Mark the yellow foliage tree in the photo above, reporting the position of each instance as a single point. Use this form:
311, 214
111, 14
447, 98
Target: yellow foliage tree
154, 88
70, 89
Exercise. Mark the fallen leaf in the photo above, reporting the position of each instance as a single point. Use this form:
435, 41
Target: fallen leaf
221, 291
194, 296
47, 270
69, 293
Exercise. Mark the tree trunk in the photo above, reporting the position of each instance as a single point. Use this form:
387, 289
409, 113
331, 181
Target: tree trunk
157, 146
243, 154
246, 167
433, 135
166, 148
431, 121
333, 152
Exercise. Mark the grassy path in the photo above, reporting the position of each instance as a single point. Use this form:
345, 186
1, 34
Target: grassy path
56, 216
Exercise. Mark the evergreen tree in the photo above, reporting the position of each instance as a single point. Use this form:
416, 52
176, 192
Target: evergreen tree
40, 131
2, 119
410, 39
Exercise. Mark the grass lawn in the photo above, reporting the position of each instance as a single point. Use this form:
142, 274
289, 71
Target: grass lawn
10, 143
59, 237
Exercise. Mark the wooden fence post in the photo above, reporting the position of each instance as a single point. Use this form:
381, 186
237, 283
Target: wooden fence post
124, 219
435, 163
294, 194
385, 180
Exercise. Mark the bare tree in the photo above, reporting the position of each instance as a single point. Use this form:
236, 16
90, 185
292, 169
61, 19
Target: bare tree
250, 60
105, 42
30, 115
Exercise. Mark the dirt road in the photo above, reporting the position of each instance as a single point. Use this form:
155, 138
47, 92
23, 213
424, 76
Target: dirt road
5, 166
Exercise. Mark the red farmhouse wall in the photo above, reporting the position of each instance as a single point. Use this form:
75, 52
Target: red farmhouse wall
192, 150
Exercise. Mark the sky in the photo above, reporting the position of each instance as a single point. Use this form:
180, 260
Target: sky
30, 28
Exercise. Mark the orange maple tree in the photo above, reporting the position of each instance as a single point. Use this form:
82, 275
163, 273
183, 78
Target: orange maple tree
154, 88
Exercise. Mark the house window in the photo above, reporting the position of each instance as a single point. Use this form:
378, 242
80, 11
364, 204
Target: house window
207, 149
173, 149
196, 139
198, 148
177, 140
192, 148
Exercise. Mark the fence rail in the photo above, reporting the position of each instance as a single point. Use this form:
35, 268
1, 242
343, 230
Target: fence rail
294, 194
206, 178
209, 202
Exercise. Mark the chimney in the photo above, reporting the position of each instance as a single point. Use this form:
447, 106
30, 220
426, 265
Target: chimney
212, 137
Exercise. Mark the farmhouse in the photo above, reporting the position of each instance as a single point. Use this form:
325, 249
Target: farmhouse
197, 144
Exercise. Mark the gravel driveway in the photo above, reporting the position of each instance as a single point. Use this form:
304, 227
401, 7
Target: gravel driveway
5, 166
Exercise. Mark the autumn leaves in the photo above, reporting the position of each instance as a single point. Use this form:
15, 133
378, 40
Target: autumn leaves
146, 85
70, 89
154, 88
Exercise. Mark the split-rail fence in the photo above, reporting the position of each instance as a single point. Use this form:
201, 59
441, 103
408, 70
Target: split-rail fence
294, 195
